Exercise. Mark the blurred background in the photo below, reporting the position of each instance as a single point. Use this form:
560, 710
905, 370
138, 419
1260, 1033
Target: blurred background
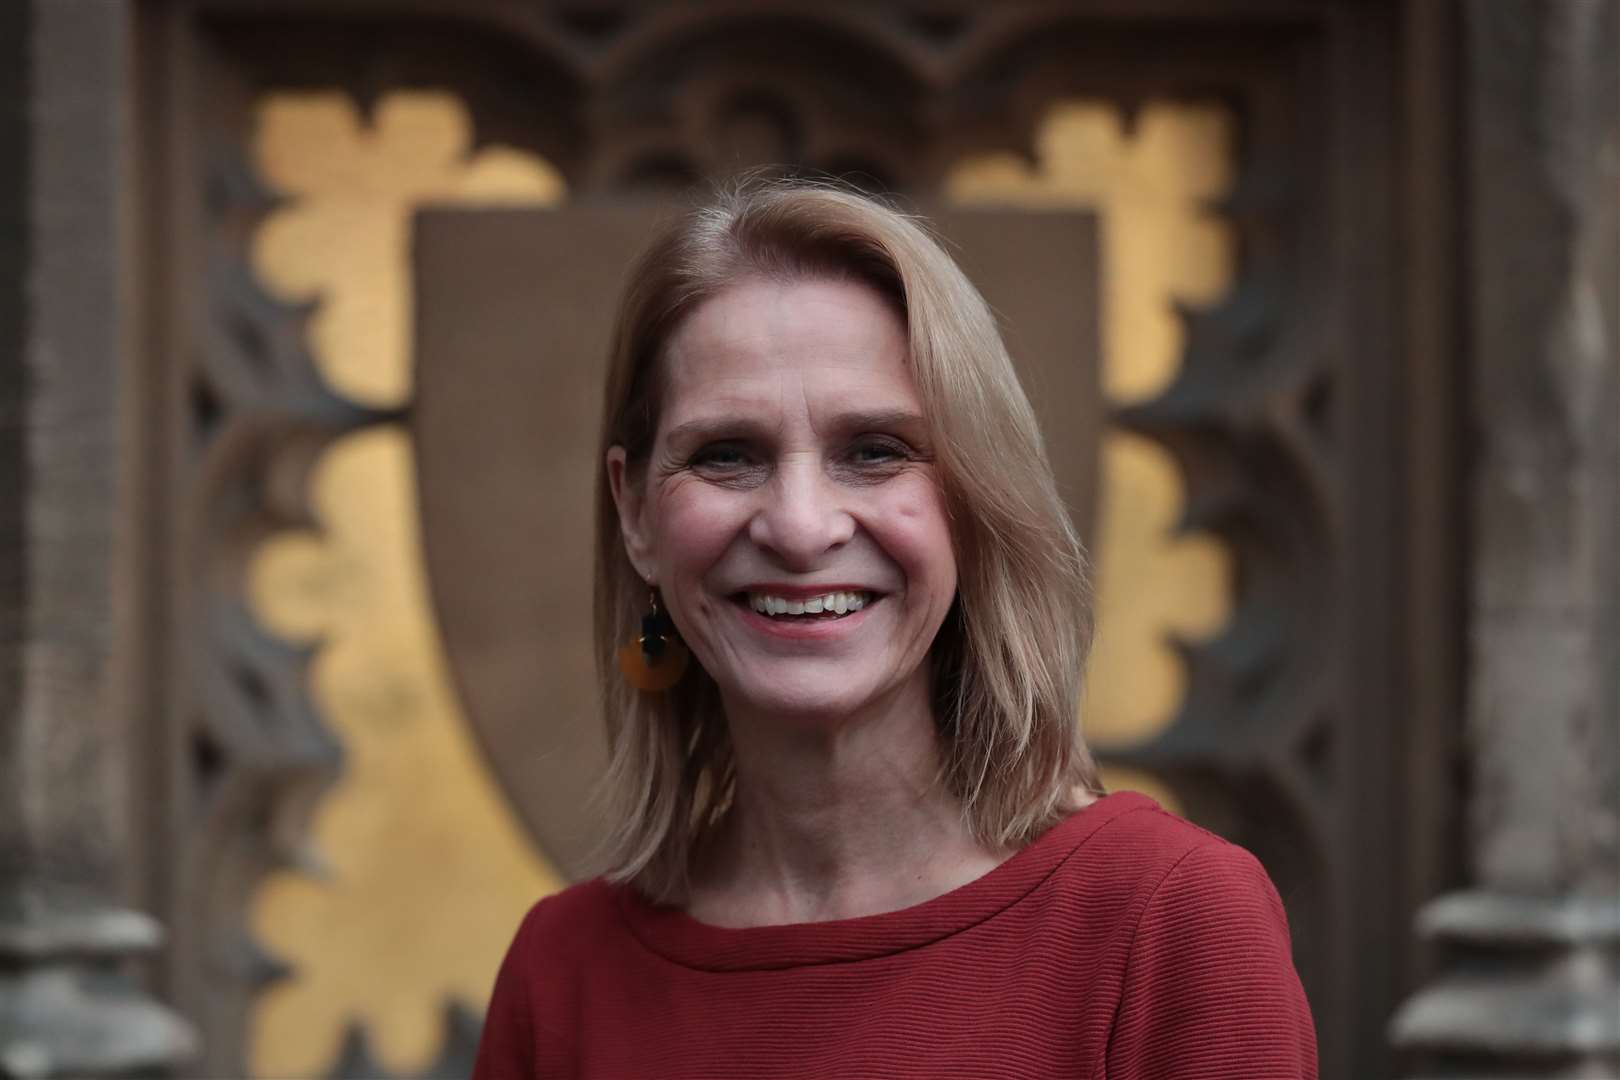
303, 307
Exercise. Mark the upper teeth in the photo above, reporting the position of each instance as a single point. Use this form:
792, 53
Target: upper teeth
840, 602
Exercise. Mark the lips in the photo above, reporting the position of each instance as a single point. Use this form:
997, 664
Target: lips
804, 611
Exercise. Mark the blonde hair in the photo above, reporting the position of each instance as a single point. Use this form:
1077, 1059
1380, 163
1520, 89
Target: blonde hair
1007, 661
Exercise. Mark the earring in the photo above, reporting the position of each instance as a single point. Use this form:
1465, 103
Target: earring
656, 660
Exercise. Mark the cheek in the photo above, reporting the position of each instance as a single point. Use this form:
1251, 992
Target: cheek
693, 526
914, 530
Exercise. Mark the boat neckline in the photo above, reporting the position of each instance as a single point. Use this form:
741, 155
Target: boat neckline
673, 934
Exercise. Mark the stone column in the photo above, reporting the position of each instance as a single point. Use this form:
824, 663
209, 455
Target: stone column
1529, 952
69, 1006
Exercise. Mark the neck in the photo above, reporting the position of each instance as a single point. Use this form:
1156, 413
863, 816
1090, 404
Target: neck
836, 819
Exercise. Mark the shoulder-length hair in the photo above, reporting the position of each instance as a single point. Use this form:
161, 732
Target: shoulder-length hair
1006, 662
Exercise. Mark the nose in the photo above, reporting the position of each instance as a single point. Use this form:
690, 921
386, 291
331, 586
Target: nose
802, 516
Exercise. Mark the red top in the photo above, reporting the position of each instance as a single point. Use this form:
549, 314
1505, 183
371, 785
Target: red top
1122, 943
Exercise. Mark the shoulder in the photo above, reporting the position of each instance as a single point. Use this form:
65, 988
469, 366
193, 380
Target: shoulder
532, 1012
1212, 899
573, 921
1184, 908
561, 937
1208, 982
1146, 856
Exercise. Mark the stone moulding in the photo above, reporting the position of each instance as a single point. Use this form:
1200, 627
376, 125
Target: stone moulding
1540, 984
66, 1007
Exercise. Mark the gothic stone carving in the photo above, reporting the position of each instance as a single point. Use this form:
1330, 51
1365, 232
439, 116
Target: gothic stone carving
1282, 428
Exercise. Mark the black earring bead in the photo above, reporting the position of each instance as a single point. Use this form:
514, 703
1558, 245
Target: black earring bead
656, 629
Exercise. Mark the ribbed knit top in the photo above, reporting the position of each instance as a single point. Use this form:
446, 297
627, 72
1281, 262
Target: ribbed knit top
1123, 942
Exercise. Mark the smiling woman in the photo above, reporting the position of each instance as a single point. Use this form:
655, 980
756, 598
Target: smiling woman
821, 476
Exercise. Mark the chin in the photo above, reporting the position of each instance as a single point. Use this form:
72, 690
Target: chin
819, 697
801, 708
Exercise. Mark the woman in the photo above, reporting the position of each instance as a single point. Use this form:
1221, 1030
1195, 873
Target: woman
854, 830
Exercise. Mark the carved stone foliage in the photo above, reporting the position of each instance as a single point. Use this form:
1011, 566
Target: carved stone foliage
256, 416
1152, 185
418, 843
1267, 418
342, 233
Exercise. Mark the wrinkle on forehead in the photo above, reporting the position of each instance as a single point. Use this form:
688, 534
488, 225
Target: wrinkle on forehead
787, 348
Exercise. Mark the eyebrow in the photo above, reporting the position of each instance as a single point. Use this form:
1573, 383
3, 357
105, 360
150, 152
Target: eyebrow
706, 428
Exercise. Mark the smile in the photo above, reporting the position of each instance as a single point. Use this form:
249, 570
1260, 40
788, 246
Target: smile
831, 605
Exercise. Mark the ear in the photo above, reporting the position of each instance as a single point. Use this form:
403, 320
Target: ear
630, 499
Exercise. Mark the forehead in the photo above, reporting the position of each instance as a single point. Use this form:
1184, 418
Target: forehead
761, 341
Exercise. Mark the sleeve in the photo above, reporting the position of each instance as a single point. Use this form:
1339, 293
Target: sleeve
1210, 991
506, 1046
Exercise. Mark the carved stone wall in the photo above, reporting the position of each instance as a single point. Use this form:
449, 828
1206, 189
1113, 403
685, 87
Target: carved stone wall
1280, 426
1290, 416
343, 233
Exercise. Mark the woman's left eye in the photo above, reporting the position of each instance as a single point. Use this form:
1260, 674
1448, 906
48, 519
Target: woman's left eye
877, 451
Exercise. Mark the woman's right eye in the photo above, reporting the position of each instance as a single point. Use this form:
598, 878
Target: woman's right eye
720, 456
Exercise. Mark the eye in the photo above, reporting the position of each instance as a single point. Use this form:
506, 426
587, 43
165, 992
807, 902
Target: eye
878, 450
721, 457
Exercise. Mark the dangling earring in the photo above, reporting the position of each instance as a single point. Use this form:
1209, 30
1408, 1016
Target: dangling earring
656, 660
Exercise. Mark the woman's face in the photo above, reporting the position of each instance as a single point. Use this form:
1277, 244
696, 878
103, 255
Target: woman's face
791, 472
